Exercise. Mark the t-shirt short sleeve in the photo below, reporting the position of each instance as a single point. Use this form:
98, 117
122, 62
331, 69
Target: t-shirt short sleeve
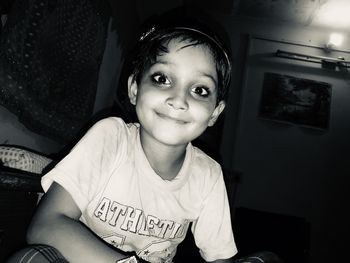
213, 229
85, 169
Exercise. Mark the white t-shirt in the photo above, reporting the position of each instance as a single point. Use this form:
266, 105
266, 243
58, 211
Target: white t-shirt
129, 206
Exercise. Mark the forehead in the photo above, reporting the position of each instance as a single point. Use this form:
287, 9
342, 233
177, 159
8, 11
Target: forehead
189, 56
182, 42
180, 49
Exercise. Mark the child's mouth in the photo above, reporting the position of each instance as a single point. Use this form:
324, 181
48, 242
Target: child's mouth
167, 117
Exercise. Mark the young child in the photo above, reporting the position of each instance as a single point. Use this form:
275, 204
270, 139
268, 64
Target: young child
136, 187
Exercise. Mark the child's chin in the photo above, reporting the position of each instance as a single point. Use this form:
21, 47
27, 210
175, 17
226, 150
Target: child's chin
169, 140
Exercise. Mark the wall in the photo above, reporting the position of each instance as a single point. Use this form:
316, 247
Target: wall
287, 169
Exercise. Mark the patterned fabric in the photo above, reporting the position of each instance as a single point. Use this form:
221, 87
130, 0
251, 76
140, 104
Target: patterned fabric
47, 254
50, 54
22, 159
38, 254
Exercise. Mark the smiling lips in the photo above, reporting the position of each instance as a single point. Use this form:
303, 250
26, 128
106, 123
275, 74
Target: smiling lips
166, 117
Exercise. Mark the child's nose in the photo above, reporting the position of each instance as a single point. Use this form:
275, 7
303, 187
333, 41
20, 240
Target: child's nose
178, 101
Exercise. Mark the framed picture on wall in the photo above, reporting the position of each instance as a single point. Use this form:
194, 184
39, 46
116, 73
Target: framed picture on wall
295, 100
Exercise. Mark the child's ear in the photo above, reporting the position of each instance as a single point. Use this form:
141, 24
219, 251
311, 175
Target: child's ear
219, 108
132, 89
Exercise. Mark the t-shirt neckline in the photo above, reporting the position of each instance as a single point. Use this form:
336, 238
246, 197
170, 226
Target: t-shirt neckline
146, 169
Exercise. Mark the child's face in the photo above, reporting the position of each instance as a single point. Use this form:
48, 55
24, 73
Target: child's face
176, 97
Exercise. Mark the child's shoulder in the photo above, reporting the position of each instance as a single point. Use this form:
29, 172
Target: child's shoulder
203, 160
206, 172
115, 122
113, 128
110, 121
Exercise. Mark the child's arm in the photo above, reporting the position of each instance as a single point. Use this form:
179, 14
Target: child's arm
56, 224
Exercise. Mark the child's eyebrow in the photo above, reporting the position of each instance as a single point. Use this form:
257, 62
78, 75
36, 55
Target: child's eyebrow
160, 61
200, 72
154, 63
209, 76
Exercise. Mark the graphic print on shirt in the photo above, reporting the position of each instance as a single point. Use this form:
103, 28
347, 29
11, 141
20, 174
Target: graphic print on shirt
135, 221
160, 252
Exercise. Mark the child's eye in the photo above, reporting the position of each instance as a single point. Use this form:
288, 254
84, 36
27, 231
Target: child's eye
201, 91
160, 79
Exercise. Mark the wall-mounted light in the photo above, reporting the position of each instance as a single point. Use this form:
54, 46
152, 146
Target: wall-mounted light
327, 62
334, 41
